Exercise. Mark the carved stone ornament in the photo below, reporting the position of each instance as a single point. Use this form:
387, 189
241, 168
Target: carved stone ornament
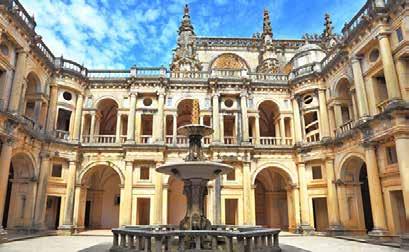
229, 61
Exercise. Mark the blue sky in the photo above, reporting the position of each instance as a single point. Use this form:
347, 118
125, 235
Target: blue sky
120, 33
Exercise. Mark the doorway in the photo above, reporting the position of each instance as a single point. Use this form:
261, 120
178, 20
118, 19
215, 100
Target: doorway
231, 214
320, 210
143, 211
52, 214
366, 200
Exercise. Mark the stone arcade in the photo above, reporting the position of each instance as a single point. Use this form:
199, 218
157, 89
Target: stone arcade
317, 130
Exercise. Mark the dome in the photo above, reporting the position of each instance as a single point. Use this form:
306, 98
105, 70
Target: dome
308, 47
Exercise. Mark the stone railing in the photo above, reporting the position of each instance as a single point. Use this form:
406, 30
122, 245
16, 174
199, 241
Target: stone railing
62, 134
229, 73
229, 140
217, 239
345, 127
190, 75
228, 42
304, 70
268, 77
313, 136
276, 141
146, 139
17, 9
108, 74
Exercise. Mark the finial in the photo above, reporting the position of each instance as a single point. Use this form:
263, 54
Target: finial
186, 24
328, 31
267, 30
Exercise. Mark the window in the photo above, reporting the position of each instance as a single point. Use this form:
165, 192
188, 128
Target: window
147, 102
229, 103
231, 175
56, 171
374, 55
63, 120
144, 173
316, 172
308, 99
391, 155
399, 34
67, 96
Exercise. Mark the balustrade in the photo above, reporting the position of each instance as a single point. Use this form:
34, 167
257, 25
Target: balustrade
146, 139
18, 10
347, 126
276, 141
313, 136
182, 140
217, 239
62, 134
189, 75
230, 140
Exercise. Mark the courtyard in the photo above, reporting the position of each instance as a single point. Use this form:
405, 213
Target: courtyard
101, 241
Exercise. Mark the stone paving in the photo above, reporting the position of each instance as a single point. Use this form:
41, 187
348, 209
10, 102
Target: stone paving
95, 243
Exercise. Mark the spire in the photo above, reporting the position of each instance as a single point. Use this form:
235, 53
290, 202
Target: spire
328, 31
186, 24
267, 30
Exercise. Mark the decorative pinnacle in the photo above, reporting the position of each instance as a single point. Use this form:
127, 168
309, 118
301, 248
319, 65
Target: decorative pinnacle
186, 24
328, 31
267, 30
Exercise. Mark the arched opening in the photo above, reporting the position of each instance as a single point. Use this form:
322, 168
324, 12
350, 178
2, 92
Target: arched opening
19, 197
345, 101
359, 210
184, 112
272, 209
106, 123
34, 104
176, 201
269, 123
101, 198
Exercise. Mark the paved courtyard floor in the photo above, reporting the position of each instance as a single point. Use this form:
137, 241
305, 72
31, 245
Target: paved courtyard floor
100, 243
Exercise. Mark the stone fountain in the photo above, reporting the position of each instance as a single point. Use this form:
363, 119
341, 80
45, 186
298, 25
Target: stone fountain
195, 232
195, 172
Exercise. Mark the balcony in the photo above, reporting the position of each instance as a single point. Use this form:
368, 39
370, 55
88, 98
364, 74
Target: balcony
62, 135
344, 128
275, 141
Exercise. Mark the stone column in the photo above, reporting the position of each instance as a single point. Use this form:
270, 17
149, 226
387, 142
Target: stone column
217, 201
41, 198
118, 128
216, 119
8, 82
297, 121
68, 224
290, 206
375, 192
354, 107
324, 120
18, 83
304, 199
52, 108
131, 119
244, 118
297, 210
160, 118
338, 115
5, 160
362, 100
402, 70
127, 204
221, 129
78, 116
332, 122
389, 70
92, 127
247, 193
402, 147
158, 197
257, 129
282, 129
332, 197
138, 124
175, 128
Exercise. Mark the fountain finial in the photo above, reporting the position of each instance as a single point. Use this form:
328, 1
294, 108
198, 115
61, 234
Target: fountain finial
195, 112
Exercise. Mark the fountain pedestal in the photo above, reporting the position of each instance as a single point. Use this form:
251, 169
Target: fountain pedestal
195, 173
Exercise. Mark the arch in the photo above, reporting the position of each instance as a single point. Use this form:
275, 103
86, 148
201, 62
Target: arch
107, 122
27, 159
345, 163
184, 111
103, 98
268, 112
176, 201
33, 83
342, 87
229, 61
93, 164
280, 168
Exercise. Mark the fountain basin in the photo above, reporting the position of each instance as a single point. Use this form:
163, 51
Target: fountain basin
206, 170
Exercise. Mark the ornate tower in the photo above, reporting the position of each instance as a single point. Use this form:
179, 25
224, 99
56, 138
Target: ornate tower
184, 57
269, 62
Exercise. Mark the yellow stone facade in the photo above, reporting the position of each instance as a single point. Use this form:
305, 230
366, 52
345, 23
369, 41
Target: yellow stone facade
317, 129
